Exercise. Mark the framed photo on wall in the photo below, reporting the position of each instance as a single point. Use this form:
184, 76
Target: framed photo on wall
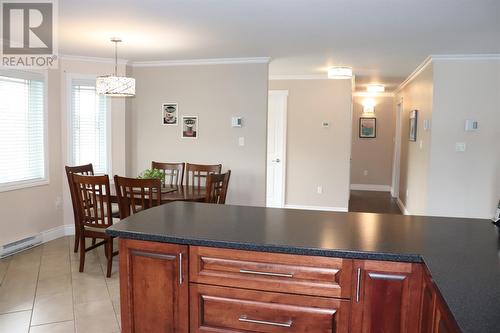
368, 128
169, 113
413, 125
190, 127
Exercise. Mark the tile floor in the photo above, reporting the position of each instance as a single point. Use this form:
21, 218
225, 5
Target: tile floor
42, 291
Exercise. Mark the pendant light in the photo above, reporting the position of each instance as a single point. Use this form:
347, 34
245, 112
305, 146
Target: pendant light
114, 85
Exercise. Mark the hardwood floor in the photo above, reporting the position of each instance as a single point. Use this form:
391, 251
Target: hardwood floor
373, 202
41, 291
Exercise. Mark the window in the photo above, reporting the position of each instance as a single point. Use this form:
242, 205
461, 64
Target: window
22, 130
88, 126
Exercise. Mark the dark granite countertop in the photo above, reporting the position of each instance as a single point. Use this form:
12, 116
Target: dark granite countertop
462, 255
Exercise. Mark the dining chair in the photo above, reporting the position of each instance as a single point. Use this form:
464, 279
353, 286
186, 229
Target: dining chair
135, 195
174, 172
88, 170
196, 174
217, 187
94, 215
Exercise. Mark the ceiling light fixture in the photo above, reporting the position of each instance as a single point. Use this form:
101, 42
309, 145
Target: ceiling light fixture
375, 88
114, 85
340, 72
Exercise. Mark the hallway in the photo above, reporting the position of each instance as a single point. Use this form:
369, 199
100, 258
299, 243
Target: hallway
373, 202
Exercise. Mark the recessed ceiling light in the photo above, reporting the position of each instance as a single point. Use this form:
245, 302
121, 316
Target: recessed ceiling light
375, 88
340, 72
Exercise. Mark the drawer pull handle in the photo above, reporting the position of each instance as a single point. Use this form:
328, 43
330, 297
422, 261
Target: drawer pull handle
287, 275
264, 322
386, 276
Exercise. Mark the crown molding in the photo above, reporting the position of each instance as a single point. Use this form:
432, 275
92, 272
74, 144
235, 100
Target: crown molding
92, 59
486, 56
299, 77
190, 62
444, 57
371, 94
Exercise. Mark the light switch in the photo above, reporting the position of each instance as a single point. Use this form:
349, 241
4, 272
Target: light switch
460, 146
471, 125
421, 144
241, 141
325, 124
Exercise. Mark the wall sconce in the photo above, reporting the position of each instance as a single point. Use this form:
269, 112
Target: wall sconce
369, 106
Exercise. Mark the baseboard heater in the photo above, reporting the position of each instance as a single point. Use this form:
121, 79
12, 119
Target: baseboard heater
20, 245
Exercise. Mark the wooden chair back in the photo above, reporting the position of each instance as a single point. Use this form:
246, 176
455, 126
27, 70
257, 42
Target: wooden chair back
86, 169
174, 172
217, 187
93, 200
135, 195
196, 174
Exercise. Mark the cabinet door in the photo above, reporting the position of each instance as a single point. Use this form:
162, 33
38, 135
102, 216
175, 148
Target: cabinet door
443, 322
386, 297
153, 287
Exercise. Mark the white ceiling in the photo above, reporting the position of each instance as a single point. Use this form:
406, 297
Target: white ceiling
383, 40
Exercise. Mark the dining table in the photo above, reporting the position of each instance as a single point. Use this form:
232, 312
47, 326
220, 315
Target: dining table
171, 193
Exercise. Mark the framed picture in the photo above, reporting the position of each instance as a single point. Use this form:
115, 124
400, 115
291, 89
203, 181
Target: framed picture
368, 128
169, 113
190, 127
413, 125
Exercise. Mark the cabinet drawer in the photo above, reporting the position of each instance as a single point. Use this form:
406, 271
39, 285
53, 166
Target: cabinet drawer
317, 276
221, 309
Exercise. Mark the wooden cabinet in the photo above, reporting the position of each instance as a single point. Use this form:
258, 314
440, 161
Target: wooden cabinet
245, 291
386, 297
220, 309
153, 287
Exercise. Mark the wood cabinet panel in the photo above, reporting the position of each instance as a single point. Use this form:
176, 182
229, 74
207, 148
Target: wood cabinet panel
427, 307
386, 297
153, 287
220, 309
317, 276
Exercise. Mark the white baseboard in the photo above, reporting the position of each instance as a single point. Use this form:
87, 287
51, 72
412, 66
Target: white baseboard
371, 187
402, 207
329, 209
57, 232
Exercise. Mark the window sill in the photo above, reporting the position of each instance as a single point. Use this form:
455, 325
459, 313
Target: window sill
23, 184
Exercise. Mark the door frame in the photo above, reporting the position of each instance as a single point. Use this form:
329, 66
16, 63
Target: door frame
397, 151
283, 93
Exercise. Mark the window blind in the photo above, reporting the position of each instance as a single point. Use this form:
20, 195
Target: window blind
88, 130
22, 126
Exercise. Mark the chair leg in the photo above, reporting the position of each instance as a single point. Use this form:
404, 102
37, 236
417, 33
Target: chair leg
109, 251
82, 251
77, 239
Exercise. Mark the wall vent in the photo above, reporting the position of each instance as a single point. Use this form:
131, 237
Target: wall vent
20, 245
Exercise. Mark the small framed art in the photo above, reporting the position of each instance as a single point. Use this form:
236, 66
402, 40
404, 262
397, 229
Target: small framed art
413, 125
368, 128
190, 127
169, 113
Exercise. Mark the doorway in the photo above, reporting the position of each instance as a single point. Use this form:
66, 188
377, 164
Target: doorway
276, 148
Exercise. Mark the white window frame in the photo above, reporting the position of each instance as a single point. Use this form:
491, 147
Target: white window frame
69, 133
16, 185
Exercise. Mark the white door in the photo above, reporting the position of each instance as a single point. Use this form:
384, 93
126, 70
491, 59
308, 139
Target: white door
397, 151
276, 148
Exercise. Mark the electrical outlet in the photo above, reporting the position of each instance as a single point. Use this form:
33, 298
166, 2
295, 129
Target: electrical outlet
460, 146
320, 189
58, 203
365, 173
241, 141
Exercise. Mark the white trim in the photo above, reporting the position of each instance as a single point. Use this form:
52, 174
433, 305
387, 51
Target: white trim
371, 187
414, 74
370, 94
57, 232
299, 77
321, 208
190, 62
402, 207
93, 59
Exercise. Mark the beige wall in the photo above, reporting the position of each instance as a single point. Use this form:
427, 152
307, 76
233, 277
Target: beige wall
465, 184
415, 156
214, 93
317, 156
373, 155
29, 211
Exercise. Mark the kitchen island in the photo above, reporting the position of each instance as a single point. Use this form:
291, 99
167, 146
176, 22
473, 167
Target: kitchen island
217, 268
